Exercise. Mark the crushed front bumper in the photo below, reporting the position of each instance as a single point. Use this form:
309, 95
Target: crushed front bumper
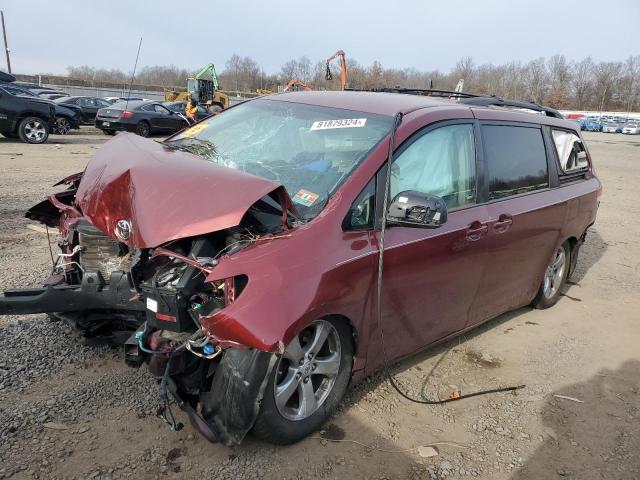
92, 294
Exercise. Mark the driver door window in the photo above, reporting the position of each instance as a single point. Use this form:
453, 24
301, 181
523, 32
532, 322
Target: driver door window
442, 162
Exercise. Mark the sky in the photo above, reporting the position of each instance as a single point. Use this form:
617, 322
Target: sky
46, 37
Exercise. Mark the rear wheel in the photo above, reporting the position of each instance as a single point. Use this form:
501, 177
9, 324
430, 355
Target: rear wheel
143, 129
216, 108
63, 125
554, 279
109, 132
33, 130
307, 382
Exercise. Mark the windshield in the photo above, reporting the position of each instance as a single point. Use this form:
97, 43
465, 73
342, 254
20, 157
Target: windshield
307, 148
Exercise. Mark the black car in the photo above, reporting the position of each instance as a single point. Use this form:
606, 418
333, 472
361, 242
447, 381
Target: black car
67, 116
89, 106
180, 106
141, 117
25, 117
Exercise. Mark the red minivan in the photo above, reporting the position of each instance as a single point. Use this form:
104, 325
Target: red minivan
245, 251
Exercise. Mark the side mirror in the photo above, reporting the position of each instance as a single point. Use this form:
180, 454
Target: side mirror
417, 209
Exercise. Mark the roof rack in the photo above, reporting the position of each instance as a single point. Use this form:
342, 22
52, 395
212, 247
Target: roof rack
480, 101
467, 98
428, 92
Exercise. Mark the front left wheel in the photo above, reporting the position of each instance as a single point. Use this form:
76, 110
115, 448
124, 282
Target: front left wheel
33, 130
307, 382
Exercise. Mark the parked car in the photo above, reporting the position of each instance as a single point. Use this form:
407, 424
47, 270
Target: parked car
89, 106
180, 106
591, 124
67, 117
631, 128
610, 127
143, 118
29, 118
255, 306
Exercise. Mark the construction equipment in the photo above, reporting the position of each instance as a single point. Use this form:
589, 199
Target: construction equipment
296, 84
202, 89
343, 68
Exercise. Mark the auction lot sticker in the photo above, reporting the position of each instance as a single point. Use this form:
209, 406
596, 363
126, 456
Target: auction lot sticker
342, 123
305, 197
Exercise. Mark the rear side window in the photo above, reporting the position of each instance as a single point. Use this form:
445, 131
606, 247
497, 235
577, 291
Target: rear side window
516, 160
572, 155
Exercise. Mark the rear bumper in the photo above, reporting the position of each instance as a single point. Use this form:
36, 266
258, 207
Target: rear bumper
115, 125
92, 294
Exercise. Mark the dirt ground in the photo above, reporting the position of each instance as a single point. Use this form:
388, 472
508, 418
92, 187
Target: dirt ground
74, 411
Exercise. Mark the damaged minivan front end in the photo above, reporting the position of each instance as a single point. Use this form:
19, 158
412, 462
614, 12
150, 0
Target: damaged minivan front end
133, 258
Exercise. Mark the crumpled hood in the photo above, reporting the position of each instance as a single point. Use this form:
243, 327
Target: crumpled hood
164, 194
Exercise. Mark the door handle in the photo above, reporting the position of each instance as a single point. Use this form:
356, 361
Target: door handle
503, 223
476, 231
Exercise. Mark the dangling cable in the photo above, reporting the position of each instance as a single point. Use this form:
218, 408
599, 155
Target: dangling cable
392, 140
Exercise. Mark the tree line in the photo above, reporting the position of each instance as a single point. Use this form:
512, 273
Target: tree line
556, 81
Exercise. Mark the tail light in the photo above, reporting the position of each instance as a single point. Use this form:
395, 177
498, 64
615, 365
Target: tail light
126, 114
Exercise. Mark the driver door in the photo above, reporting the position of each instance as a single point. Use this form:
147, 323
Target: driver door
431, 275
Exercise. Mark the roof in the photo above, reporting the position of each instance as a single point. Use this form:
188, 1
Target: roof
383, 103
368, 102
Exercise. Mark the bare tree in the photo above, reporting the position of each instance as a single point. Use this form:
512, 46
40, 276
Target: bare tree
582, 81
606, 75
559, 82
536, 79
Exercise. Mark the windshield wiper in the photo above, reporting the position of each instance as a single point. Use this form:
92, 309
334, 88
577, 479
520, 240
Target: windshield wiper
202, 148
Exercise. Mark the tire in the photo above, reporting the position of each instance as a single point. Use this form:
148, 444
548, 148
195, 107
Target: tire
33, 130
282, 418
216, 108
143, 129
109, 132
63, 125
555, 277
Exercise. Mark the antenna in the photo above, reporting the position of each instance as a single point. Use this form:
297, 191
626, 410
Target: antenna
133, 74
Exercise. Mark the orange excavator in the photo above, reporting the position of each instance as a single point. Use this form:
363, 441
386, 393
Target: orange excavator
343, 68
297, 85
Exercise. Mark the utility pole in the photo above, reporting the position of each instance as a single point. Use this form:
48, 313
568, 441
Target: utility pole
6, 47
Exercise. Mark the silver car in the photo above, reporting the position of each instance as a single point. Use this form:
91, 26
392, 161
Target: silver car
631, 128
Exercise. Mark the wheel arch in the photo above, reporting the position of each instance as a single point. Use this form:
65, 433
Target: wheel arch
350, 324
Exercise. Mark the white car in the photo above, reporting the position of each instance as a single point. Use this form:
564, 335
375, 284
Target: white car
631, 129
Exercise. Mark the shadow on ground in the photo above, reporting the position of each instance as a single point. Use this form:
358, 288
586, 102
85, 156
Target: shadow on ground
595, 439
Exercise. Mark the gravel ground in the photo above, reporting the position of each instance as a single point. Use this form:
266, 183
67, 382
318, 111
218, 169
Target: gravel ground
73, 411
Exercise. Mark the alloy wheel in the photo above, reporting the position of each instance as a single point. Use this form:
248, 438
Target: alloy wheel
35, 130
63, 126
555, 273
306, 373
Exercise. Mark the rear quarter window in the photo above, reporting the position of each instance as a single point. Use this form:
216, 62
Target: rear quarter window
516, 160
571, 153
